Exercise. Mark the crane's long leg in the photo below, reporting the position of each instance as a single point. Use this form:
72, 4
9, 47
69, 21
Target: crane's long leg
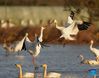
34, 63
33, 60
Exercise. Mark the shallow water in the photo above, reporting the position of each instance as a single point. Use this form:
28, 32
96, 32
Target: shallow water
58, 58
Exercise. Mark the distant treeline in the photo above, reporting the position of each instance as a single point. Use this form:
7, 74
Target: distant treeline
92, 5
89, 3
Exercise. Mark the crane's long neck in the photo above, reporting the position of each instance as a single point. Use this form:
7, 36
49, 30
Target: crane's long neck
82, 57
84, 61
58, 27
41, 35
45, 72
91, 48
20, 72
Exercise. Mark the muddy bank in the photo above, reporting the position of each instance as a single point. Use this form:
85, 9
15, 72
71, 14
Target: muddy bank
51, 35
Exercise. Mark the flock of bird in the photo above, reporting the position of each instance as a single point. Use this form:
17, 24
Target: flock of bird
32, 75
33, 48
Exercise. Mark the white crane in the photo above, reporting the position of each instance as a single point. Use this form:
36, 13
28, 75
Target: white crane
87, 61
94, 50
66, 31
26, 74
73, 27
34, 47
50, 74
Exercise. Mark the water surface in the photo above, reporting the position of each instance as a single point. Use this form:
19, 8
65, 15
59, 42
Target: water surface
61, 59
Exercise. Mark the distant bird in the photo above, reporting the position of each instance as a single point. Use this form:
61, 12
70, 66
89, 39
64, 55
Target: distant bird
50, 74
34, 47
31, 23
87, 61
94, 50
15, 48
25, 75
24, 23
73, 27
7, 23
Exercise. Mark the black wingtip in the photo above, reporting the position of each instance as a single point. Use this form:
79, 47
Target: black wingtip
87, 23
24, 47
84, 26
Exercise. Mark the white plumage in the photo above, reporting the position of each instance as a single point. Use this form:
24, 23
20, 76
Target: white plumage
69, 21
15, 48
7, 23
26, 74
89, 62
19, 45
72, 27
49, 74
68, 31
34, 47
